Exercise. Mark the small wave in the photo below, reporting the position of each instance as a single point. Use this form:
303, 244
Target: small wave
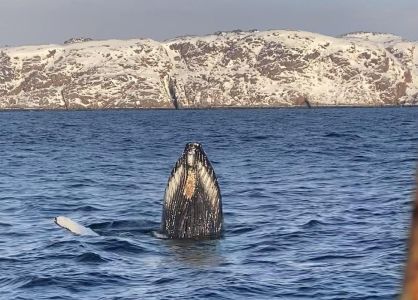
5, 224
251, 290
87, 208
8, 260
409, 159
8, 282
122, 246
205, 294
72, 282
360, 158
164, 280
77, 185
85, 182
329, 257
313, 223
241, 230
256, 138
68, 125
261, 137
90, 257
266, 248
124, 226
37, 281
101, 225
127, 140
117, 224
64, 243
349, 136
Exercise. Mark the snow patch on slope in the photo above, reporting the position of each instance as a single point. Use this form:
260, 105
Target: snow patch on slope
257, 68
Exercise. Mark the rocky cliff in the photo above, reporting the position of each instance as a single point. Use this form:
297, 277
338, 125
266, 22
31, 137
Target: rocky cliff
226, 69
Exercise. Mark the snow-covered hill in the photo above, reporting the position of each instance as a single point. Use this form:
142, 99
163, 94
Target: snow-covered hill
234, 69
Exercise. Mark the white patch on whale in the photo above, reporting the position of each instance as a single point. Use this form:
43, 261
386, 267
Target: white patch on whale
208, 180
174, 183
73, 226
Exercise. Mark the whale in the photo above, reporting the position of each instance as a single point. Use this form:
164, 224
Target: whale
192, 204
73, 226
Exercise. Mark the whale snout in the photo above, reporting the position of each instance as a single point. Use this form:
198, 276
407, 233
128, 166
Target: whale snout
193, 147
192, 150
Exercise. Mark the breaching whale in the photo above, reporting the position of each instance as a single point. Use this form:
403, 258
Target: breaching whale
192, 207
73, 226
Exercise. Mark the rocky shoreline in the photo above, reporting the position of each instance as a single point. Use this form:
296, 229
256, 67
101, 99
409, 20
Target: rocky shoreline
211, 108
269, 69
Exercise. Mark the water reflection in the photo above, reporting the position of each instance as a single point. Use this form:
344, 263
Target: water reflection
196, 253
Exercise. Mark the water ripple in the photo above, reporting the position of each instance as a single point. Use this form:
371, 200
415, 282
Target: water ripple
316, 203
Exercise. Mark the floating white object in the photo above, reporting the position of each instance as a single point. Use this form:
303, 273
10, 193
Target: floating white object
73, 226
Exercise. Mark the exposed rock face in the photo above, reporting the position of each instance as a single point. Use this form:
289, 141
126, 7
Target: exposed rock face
77, 40
234, 69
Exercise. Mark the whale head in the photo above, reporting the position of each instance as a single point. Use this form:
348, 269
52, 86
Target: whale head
193, 152
192, 206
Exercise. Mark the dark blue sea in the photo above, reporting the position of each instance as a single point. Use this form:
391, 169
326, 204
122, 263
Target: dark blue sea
316, 203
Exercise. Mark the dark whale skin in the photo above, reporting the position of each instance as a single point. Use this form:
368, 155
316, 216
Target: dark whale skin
192, 207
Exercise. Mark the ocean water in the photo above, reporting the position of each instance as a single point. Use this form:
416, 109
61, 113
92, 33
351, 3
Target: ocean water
316, 203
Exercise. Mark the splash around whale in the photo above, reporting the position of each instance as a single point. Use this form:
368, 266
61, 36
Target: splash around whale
192, 205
